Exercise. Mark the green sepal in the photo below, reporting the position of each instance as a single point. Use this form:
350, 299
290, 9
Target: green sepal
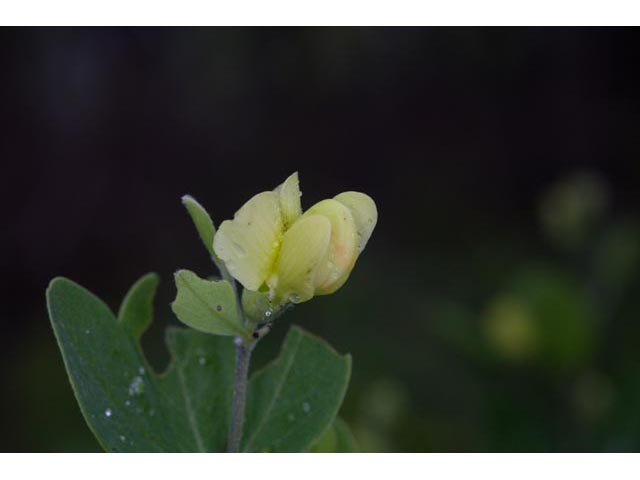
257, 306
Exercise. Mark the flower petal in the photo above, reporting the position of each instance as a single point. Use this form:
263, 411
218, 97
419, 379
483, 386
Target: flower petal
249, 243
342, 252
364, 212
304, 247
289, 193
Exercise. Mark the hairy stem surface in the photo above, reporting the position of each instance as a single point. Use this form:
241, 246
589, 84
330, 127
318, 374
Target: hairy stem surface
243, 357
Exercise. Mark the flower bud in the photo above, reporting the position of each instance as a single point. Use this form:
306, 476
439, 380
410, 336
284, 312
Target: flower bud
270, 245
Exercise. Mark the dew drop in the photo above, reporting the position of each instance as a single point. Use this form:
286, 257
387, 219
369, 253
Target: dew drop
141, 370
136, 387
122, 438
295, 298
202, 361
268, 313
87, 331
237, 341
127, 402
107, 412
306, 407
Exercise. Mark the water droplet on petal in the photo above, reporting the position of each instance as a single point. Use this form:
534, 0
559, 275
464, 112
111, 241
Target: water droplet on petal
107, 412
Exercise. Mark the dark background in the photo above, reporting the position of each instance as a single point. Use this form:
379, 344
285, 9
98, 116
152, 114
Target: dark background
497, 305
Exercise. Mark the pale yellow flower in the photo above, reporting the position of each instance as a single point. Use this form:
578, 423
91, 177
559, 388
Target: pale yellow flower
271, 245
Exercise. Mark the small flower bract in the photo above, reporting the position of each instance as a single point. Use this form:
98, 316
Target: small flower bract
271, 245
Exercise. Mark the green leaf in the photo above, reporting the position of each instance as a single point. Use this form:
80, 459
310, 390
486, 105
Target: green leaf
206, 231
136, 311
202, 221
207, 305
131, 408
109, 375
294, 399
337, 439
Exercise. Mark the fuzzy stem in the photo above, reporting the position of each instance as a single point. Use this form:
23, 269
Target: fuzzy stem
243, 357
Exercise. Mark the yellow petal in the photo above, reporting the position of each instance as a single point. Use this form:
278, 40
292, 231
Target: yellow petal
289, 193
249, 243
364, 212
304, 247
341, 255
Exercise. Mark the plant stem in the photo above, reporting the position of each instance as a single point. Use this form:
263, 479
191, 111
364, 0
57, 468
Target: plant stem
243, 357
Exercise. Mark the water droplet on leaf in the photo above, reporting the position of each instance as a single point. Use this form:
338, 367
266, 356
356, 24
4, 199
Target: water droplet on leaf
136, 387
107, 412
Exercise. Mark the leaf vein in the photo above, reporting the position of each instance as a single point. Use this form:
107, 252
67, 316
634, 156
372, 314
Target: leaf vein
189, 408
277, 392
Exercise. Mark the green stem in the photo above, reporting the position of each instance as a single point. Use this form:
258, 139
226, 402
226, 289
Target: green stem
243, 358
